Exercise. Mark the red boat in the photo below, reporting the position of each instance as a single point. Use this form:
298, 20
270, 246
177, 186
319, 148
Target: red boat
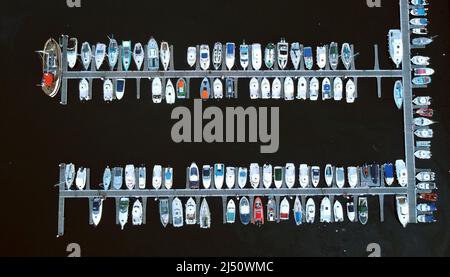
428, 196
258, 212
425, 112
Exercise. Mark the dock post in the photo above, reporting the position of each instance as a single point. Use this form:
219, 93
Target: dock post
303, 200
197, 209
327, 64
381, 199
197, 63
144, 210
117, 210
62, 179
188, 82
91, 202
252, 200
172, 62
138, 88
277, 208
352, 50
355, 203
64, 70
332, 207
224, 64
145, 58
250, 66
224, 207
302, 60
377, 67
236, 88
170, 209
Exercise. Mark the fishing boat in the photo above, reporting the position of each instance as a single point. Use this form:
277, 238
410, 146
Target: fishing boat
258, 212
229, 55
296, 54
205, 215
282, 53
315, 175
164, 55
288, 89
289, 175
181, 88
402, 209
126, 54
333, 55
107, 178
326, 89
191, 212
80, 180
267, 175
421, 41
395, 46
124, 204
168, 177
303, 175
218, 89
420, 60
310, 211
423, 71
230, 177
113, 53
204, 57
219, 175
276, 88
340, 177
337, 89
325, 210
424, 133
363, 210
153, 55
352, 175
346, 55
229, 84
51, 67
314, 89
242, 177
426, 207
243, 55
419, 21
426, 218
97, 209
254, 88
156, 90
388, 173
321, 57
130, 176
256, 56
329, 174
191, 56
265, 88
217, 55
164, 211
157, 177
205, 89
142, 177
206, 176
422, 101
72, 52
138, 55
244, 210
423, 154
269, 55
350, 91
254, 175
338, 211
425, 176
83, 88
271, 208
69, 175
308, 57
86, 55
425, 112
137, 213
428, 196
351, 211
231, 211
278, 176
170, 92
108, 90
194, 176
298, 213
177, 213
402, 173
302, 88
100, 53
284, 209
420, 31
426, 186
117, 177
398, 94
423, 122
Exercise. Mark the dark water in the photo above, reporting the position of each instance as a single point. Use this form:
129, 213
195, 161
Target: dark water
38, 133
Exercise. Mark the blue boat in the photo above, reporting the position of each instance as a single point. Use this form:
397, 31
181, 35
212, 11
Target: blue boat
421, 41
389, 173
298, 216
422, 80
398, 94
308, 57
326, 89
244, 210
419, 12
426, 218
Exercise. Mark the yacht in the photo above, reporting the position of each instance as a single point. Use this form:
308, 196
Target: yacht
219, 175
206, 176
108, 90
351, 211
314, 89
402, 209
244, 210
256, 56
130, 176
153, 55
191, 56
340, 177
346, 56
308, 57
51, 67
271, 209
363, 210
244, 55
230, 177
254, 88
107, 178
231, 211
84, 90
288, 89
217, 55
218, 89
420, 60
138, 55
124, 204
100, 54
142, 177
303, 175
205, 89
204, 57
310, 211
191, 212
254, 175
389, 173
126, 54
352, 174
302, 88
350, 91
205, 215
289, 175
424, 133
402, 173
113, 53
177, 213
265, 88
325, 210
329, 175
156, 90
315, 175
267, 175
298, 214
258, 212
80, 180
422, 101
395, 46
334, 55
282, 53
164, 211
181, 88
97, 209
137, 213
157, 177
338, 211
276, 88
284, 209
321, 57
242, 177
168, 177
86, 55
69, 175
229, 55
278, 176
117, 177
269, 55
398, 94
164, 55
194, 176
337, 89
326, 89
296, 54
72, 52
170, 92
423, 154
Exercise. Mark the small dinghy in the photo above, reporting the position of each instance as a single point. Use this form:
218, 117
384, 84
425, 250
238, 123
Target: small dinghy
107, 177
231, 212
84, 90
126, 54
72, 52
298, 214
165, 55
69, 175
205, 215
325, 210
310, 211
218, 89
337, 89
338, 211
108, 90
137, 213
170, 92
124, 204
100, 53
156, 90
113, 53
138, 55
97, 209
86, 55
398, 94
191, 212
302, 88
205, 89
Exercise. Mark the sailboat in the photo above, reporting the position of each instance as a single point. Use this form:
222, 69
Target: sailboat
346, 55
69, 175
86, 55
165, 55
113, 53
80, 180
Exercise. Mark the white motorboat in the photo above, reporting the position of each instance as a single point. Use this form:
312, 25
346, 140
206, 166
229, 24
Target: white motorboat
230, 55
315, 175
244, 55
156, 90
340, 177
86, 55
296, 54
218, 89
284, 209
157, 176
72, 52
194, 176
402, 209
350, 91
422, 101
329, 175
165, 55
338, 211
288, 89
321, 57
108, 90
426, 186
282, 53
170, 92
325, 210
395, 46
191, 212
423, 154
205, 215
424, 133
130, 176
401, 172
124, 204
80, 180
423, 122
337, 89
191, 56
219, 175
302, 88
113, 53
310, 211
177, 213
352, 175
230, 177
138, 55
69, 175
153, 54
242, 177
278, 176
351, 214
168, 177
120, 89
425, 176
84, 90
289, 175
314, 89
269, 55
126, 54
97, 209
256, 56
206, 176
117, 177
254, 175
100, 54
265, 88
420, 60
164, 211
142, 177
267, 175
303, 175
217, 55
231, 212
137, 213
204, 57
276, 88
254, 88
